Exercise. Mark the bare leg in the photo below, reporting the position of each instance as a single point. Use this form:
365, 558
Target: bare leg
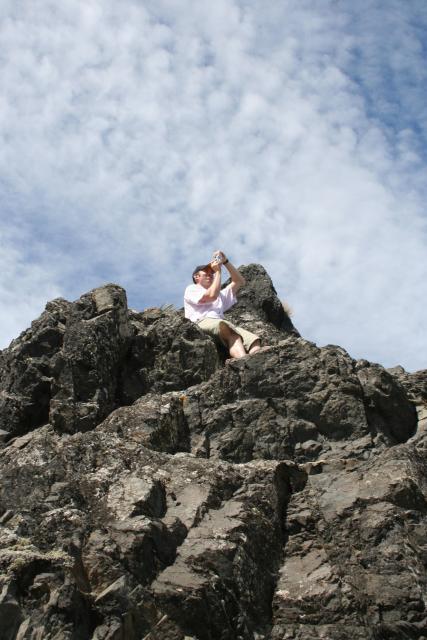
233, 340
237, 350
255, 346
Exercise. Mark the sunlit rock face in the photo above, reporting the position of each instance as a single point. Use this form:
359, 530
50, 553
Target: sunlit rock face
149, 489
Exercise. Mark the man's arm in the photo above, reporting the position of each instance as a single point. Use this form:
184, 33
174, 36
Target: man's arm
212, 292
237, 280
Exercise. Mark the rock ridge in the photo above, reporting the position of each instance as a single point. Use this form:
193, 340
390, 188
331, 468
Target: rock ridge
151, 490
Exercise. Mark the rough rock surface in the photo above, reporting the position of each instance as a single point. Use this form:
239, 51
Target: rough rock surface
149, 490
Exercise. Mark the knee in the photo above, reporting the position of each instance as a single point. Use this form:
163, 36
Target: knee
228, 335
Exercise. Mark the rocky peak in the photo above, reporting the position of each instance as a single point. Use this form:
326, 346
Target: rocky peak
151, 490
259, 308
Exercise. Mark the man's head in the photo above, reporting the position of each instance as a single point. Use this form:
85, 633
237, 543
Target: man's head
203, 275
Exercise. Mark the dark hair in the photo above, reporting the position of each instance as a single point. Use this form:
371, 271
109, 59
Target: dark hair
200, 267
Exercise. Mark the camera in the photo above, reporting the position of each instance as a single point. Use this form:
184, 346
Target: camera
217, 259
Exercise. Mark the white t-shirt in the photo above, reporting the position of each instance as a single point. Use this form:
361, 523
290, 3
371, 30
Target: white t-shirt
195, 310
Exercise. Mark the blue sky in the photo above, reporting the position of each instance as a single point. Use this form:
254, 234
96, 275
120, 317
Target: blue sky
137, 137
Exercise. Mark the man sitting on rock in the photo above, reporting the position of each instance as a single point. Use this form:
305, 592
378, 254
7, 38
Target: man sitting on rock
205, 304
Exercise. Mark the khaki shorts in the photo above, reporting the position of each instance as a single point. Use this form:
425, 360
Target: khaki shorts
212, 327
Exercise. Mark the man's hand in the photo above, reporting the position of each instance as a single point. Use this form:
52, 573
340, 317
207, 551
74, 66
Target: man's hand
237, 280
219, 254
215, 266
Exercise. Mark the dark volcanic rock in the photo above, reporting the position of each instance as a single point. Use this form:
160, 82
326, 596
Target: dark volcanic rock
415, 385
87, 369
355, 556
165, 353
80, 361
388, 407
26, 371
258, 308
148, 491
296, 400
157, 421
115, 518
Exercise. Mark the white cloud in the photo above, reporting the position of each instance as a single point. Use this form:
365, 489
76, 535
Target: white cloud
137, 137
24, 288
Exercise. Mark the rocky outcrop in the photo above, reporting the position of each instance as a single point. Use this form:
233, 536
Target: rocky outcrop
296, 401
415, 385
151, 490
27, 369
80, 361
259, 309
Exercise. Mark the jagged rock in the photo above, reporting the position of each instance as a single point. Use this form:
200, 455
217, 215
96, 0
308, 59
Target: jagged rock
258, 308
80, 361
157, 421
415, 385
388, 407
26, 371
132, 496
10, 613
225, 568
87, 369
150, 491
270, 405
174, 499
355, 557
166, 353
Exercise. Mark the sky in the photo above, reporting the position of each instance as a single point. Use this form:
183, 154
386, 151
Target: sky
138, 137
